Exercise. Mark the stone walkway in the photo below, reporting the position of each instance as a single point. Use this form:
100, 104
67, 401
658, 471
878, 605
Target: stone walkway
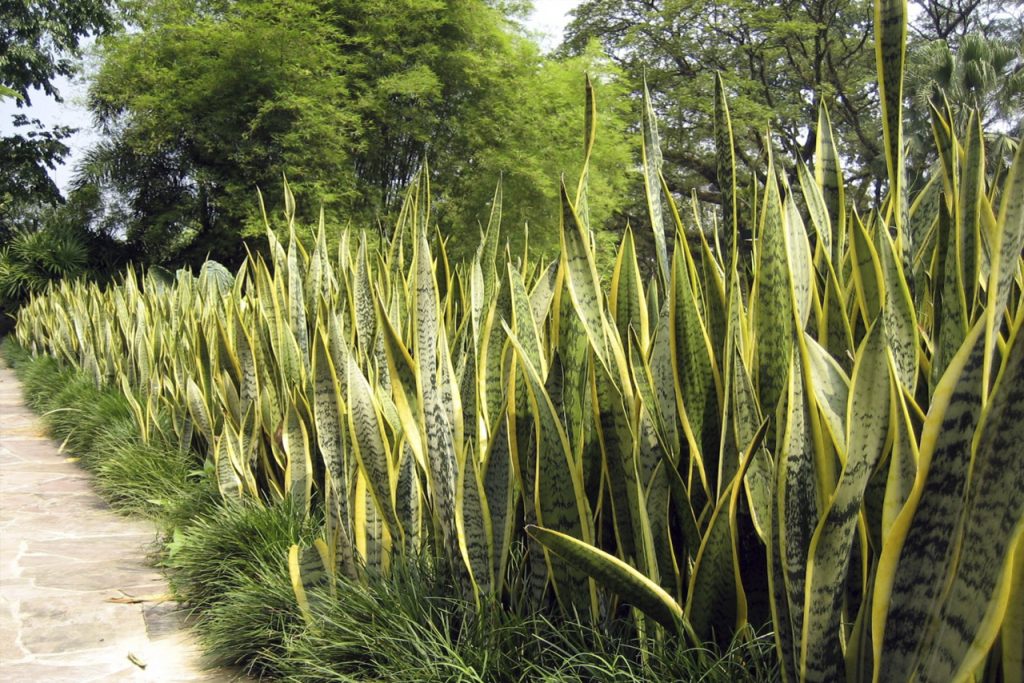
78, 601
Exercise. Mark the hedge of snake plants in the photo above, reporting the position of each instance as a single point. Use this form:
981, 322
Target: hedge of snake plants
808, 415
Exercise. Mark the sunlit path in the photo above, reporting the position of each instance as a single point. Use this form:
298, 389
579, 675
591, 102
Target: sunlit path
77, 600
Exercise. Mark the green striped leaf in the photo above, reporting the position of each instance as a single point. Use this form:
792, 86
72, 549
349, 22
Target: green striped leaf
716, 602
898, 314
793, 523
972, 189
474, 524
981, 574
635, 588
558, 495
915, 559
725, 170
828, 176
773, 303
890, 57
299, 471
868, 422
370, 445
627, 303
1006, 251
697, 391
651, 160
867, 272
1010, 642
950, 325
581, 278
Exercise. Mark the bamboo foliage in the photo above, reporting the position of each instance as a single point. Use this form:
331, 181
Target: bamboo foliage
811, 419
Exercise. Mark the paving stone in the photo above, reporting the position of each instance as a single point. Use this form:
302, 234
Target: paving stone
63, 557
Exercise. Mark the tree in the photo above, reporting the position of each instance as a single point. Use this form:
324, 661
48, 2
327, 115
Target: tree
204, 102
779, 62
39, 42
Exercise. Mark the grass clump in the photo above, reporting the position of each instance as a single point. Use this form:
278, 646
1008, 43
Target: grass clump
231, 565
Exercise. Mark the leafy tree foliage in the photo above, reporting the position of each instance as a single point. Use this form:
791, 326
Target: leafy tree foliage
204, 102
39, 42
779, 61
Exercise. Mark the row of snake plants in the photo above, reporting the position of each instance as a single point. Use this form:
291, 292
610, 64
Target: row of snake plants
808, 414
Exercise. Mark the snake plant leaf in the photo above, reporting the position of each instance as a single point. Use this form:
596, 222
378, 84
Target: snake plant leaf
657, 496
867, 271
489, 245
924, 212
543, 292
589, 137
627, 303
898, 314
976, 600
248, 389
716, 303
617, 444
370, 445
948, 148
199, 410
501, 499
696, 387
746, 420
798, 252
404, 390
972, 189
524, 324
473, 520
716, 601
902, 464
311, 573
363, 302
916, 557
1010, 643
296, 295
816, 209
215, 279
439, 441
868, 431
581, 279
1007, 243
795, 516
772, 303
409, 500
890, 57
328, 415
644, 383
635, 588
828, 176
558, 496
299, 472
651, 160
950, 316
571, 352
831, 389
228, 482
298, 585
725, 170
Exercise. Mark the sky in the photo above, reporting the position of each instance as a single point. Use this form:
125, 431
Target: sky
547, 21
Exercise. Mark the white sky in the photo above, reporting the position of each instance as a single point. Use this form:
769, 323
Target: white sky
547, 21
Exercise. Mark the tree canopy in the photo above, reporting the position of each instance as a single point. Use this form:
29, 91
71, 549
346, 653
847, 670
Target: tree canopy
39, 42
780, 60
204, 102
